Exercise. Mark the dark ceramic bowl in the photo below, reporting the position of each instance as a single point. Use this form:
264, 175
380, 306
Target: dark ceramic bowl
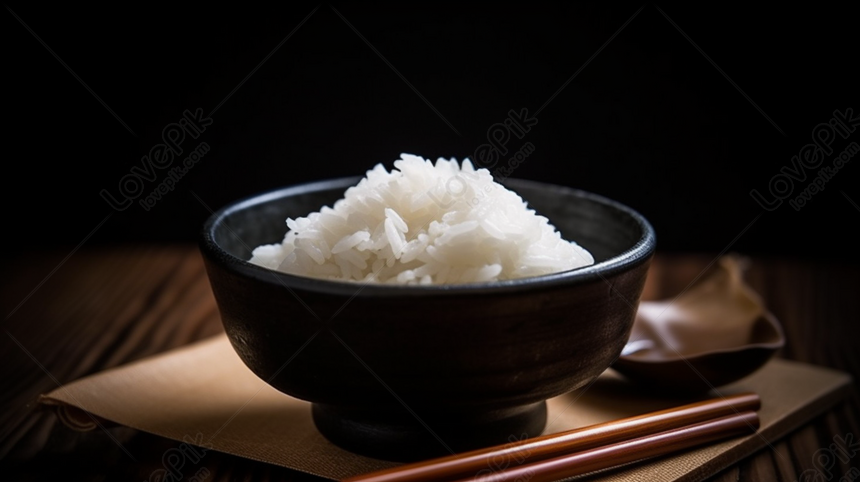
405, 372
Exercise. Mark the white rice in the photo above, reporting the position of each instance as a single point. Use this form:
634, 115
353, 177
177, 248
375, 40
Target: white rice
423, 224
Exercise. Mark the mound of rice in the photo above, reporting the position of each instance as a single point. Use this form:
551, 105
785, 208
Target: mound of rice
423, 224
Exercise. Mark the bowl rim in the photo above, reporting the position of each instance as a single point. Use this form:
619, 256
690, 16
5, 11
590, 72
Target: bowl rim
639, 253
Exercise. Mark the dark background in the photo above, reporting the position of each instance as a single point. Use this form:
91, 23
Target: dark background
649, 121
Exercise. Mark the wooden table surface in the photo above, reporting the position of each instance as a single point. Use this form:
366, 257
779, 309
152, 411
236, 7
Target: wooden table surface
105, 307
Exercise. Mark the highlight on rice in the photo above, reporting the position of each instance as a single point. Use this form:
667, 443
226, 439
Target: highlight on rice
423, 224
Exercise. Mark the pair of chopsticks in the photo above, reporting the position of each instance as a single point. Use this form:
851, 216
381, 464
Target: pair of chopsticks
577, 452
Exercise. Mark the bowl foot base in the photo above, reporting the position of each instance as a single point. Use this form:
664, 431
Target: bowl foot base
397, 434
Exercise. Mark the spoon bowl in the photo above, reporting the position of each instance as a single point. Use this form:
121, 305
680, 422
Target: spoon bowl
714, 334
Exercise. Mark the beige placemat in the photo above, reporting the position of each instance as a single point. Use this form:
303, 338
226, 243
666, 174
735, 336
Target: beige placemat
171, 395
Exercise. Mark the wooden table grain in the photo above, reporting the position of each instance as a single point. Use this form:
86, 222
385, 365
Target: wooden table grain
108, 306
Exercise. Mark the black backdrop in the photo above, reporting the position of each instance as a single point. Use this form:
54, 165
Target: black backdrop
649, 120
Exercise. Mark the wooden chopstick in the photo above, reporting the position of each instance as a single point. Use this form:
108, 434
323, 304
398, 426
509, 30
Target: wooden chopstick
655, 445
549, 446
